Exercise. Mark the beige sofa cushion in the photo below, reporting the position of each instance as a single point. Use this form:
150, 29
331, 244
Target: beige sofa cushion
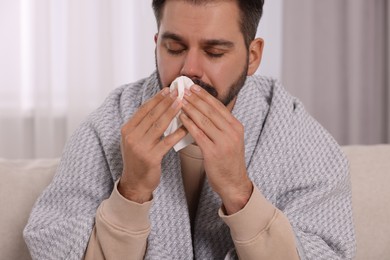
21, 183
370, 174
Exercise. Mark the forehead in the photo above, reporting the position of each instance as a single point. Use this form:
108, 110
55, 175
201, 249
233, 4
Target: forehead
213, 19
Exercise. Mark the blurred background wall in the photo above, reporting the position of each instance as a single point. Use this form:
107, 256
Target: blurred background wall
336, 60
60, 58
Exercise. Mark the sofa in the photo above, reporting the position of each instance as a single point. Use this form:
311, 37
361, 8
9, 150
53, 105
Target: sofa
23, 180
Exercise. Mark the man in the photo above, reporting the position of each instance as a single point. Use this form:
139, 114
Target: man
262, 181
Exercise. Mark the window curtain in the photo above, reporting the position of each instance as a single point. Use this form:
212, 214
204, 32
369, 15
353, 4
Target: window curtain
336, 60
60, 59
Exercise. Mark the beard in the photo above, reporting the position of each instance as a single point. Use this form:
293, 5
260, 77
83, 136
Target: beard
234, 88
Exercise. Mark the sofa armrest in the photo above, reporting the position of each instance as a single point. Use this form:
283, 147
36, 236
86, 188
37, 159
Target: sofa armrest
370, 176
22, 181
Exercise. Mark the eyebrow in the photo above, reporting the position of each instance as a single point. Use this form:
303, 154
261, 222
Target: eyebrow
208, 43
218, 42
172, 36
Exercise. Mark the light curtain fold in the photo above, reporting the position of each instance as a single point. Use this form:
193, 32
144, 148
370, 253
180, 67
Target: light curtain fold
63, 58
336, 61
60, 58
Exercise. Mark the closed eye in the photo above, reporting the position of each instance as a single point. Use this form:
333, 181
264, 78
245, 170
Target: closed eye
175, 52
215, 52
174, 48
215, 55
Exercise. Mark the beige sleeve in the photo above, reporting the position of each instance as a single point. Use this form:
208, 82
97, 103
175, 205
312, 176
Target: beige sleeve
121, 229
261, 231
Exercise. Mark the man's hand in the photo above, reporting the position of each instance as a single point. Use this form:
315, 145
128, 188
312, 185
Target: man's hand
220, 136
143, 148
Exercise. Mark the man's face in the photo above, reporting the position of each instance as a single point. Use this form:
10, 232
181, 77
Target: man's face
204, 43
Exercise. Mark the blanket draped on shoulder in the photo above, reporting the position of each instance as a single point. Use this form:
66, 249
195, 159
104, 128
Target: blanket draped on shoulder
293, 161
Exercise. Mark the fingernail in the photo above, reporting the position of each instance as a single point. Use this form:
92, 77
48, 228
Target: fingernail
187, 92
165, 92
185, 102
196, 88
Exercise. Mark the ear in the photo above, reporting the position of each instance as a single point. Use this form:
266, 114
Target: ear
155, 38
255, 54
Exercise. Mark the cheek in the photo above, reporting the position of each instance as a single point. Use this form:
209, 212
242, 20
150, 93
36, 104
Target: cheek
225, 74
169, 69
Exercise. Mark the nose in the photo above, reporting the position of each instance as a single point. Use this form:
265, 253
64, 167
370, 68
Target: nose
192, 65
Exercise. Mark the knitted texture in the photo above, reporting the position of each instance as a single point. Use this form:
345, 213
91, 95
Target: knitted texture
293, 161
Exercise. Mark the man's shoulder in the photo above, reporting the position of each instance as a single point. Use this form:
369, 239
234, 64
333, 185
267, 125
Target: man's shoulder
266, 88
262, 80
265, 84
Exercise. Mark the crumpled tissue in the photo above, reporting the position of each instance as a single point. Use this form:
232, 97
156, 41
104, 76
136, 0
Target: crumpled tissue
180, 84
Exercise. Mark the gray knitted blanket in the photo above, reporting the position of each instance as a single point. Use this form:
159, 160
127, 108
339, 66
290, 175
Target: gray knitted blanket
292, 160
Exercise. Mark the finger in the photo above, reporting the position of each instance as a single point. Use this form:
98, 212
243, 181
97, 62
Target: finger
223, 119
156, 112
169, 141
158, 119
160, 124
215, 103
209, 110
206, 124
144, 109
212, 111
199, 136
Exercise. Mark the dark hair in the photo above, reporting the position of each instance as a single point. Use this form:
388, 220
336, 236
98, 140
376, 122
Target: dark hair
250, 14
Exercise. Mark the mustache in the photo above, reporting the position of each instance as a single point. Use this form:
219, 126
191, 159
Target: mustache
210, 89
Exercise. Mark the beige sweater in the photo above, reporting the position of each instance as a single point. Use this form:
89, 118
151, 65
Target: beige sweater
259, 230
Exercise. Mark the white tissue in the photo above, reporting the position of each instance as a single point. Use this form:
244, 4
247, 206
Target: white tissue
180, 84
